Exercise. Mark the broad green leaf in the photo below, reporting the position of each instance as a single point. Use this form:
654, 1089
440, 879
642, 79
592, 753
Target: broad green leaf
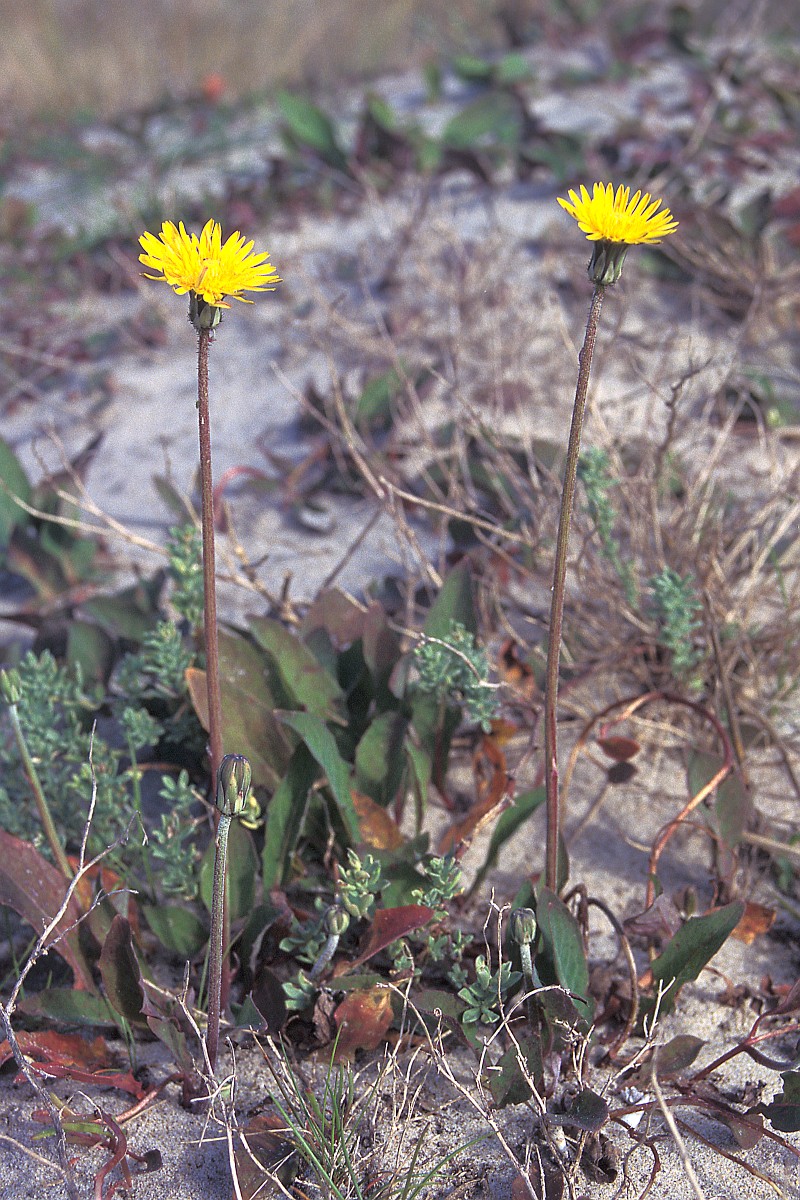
320, 742
587, 1111
732, 804
68, 1006
177, 928
562, 959
249, 726
379, 762
129, 614
285, 817
90, 648
507, 825
454, 603
304, 678
119, 971
783, 1111
492, 120
692, 947
382, 651
310, 126
13, 482
242, 872
509, 1085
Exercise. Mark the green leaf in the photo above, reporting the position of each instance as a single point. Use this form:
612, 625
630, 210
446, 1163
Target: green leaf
13, 482
320, 742
177, 928
249, 726
507, 825
587, 1111
492, 120
509, 1084
382, 651
379, 763
562, 959
119, 971
732, 805
285, 817
68, 1006
310, 126
454, 603
472, 69
512, 68
131, 613
375, 406
783, 1112
242, 872
307, 683
694, 945
90, 648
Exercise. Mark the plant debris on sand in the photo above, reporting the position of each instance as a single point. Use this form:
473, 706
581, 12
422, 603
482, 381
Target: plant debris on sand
421, 981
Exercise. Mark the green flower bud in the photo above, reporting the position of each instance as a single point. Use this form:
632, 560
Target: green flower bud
336, 921
202, 314
607, 260
523, 926
233, 784
11, 686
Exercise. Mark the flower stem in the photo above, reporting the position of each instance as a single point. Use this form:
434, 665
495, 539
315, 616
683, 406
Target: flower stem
209, 564
39, 797
217, 944
210, 602
557, 602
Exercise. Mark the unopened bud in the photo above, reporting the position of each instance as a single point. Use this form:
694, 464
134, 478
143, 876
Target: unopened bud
233, 784
11, 686
335, 921
202, 314
523, 926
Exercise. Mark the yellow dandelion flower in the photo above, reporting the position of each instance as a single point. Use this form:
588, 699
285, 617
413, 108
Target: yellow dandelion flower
205, 266
616, 220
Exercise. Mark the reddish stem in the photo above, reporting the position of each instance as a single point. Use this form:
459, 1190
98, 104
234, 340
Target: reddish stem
557, 602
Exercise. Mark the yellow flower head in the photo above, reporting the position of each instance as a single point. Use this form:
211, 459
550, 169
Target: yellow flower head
205, 265
614, 221
613, 217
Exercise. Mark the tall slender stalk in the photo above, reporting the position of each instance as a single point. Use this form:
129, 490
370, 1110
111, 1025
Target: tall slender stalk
557, 602
210, 606
209, 561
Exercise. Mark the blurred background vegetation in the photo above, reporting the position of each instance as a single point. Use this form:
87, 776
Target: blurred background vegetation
101, 57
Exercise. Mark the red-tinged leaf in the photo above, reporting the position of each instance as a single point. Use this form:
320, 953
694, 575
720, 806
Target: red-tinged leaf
363, 1020
35, 890
377, 827
495, 790
621, 749
661, 920
387, 926
757, 919
513, 669
119, 970
122, 1080
748, 1129
60, 1049
265, 1158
